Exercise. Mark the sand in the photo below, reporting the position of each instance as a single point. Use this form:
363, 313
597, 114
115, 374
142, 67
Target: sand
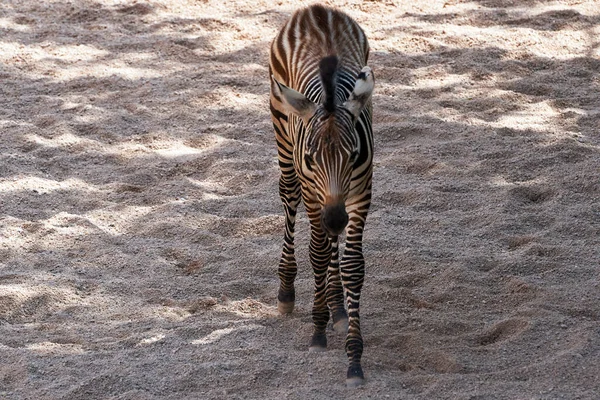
140, 226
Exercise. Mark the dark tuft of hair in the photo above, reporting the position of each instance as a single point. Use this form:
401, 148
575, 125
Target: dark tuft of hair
327, 68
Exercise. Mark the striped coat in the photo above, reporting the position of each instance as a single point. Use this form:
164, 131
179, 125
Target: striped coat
321, 111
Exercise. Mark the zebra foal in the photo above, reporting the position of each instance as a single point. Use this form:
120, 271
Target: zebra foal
321, 110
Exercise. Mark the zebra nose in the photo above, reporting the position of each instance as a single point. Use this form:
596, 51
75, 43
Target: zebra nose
334, 219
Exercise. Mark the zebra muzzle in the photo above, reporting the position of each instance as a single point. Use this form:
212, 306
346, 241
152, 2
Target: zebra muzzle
334, 219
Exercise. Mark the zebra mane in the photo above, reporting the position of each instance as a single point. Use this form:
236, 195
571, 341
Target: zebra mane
327, 69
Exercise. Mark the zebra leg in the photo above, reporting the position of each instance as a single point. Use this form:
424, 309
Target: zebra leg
352, 269
335, 291
320, 257
289, 191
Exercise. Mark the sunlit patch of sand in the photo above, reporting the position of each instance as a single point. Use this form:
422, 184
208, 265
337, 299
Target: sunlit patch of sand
218, 334
152, 339
7, 23
249, 308
50, 348
117, 221
43, 185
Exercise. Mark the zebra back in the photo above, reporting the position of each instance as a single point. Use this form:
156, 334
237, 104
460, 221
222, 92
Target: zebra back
311, 35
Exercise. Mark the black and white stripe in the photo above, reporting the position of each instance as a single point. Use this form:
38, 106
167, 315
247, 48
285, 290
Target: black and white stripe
321, 111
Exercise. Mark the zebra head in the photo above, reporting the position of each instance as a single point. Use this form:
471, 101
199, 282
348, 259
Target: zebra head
331, 145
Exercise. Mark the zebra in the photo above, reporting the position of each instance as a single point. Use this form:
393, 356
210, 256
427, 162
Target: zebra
320, 103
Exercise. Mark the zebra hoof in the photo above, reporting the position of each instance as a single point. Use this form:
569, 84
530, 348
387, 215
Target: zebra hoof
285, 301
318, 343
355, 377
340, 321
354, 382
285, 308
341, 326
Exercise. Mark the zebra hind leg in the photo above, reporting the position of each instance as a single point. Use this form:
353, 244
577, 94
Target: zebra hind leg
335, 291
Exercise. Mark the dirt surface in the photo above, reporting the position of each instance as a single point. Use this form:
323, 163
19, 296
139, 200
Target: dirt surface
140, 226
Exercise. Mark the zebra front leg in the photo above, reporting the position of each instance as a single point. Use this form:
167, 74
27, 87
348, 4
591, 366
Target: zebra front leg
352, 269
289, 191
320, 257
335, 291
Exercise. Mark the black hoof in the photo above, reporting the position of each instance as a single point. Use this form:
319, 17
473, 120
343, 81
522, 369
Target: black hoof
340, 321
355, 376
318, 343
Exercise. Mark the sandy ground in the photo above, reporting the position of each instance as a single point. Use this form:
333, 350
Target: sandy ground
140, 226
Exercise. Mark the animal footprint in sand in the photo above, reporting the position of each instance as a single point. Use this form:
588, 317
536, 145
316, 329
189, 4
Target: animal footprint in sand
502, 331
531, 194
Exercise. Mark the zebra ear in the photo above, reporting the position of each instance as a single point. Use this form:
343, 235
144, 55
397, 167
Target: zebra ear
363, 89
294, 102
